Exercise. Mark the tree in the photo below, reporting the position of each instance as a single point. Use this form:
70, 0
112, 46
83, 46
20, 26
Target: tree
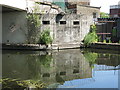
104, 15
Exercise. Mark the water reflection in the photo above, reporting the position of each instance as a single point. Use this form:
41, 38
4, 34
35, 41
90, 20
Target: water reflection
62, 68
101, 79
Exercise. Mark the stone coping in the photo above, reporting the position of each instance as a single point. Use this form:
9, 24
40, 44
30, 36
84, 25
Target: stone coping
99, 45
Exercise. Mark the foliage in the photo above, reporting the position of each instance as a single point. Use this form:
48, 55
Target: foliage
91, 37
104, 41
104, 15
33, 26
45, 37
110, 41
13, 84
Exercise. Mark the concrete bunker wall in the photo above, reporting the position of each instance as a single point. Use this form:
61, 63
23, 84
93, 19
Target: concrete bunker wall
88, 10
14, 27
65, 29
68, 28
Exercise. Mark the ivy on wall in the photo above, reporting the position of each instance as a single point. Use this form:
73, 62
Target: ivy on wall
35, 35
33, 23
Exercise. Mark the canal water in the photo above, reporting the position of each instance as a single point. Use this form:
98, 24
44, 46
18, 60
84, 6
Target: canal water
74, 68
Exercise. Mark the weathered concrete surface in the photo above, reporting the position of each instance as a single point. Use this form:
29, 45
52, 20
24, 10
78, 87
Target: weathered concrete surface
103, 46
23, 47
67, 33
79, 2
110, 46
14, 27
89, 10
64, 46
14, 19
38, 47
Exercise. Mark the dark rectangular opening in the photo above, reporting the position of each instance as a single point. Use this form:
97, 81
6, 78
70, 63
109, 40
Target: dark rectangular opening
76, 71
76, 22
62, 73
46, 75
94, 15
62, 22
46, 22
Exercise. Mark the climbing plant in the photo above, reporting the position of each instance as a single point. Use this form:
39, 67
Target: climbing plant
33, 24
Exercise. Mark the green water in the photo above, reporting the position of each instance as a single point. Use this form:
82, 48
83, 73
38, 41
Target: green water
61, 67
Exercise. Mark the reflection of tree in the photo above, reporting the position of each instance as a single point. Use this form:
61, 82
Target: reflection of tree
91, 57
109, 59
36, 62
102, 58
45, 60
59, 79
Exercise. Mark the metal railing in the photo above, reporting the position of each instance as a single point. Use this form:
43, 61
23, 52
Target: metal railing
114, 6
108, 19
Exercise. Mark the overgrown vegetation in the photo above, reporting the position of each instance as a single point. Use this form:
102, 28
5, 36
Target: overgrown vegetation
45, 37
91, 37
33, 26
16, 84
35, 35
104, 41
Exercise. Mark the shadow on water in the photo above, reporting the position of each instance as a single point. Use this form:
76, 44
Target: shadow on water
57, 67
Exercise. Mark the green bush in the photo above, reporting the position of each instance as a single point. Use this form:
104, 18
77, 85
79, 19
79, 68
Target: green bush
45, 37
91, 37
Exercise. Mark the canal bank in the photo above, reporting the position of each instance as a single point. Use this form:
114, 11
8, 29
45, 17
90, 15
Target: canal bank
39, 47
99, 45
108, 46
